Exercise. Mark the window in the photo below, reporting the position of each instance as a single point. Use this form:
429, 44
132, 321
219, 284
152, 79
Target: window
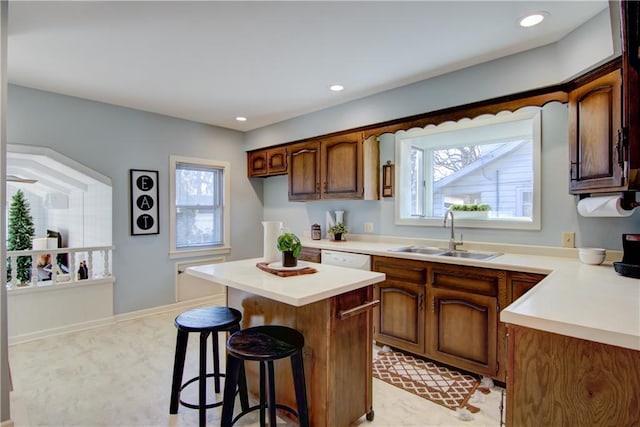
199, 218
486, 169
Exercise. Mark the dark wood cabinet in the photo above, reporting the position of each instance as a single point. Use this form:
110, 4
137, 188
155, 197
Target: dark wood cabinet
596, 137
447, 313
310, 254
304, 171
270, 162
463, 318
339, 167
399, 321
520, 283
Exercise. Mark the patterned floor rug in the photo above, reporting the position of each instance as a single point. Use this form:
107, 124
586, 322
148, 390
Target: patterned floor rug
446, 387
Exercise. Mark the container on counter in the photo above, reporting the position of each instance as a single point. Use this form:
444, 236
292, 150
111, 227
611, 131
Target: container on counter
316, 232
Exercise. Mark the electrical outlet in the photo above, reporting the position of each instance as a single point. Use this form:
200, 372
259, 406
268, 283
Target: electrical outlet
569, 239
368, 227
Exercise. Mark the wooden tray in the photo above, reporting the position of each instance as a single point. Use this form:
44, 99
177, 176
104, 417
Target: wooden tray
285, 273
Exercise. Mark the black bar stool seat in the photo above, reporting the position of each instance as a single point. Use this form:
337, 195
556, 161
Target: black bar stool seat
265, 344
205, 321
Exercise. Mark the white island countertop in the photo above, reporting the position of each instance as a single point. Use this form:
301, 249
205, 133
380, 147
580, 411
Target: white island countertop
590, 302
329, 281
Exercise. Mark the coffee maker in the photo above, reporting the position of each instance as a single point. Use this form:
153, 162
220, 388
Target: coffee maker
630, 265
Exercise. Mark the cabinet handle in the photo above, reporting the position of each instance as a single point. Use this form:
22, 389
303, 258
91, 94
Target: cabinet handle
420, 299
344, 314
433, 304
572, 169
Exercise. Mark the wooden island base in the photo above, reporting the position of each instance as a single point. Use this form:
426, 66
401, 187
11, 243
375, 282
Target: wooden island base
555, 380
337, 352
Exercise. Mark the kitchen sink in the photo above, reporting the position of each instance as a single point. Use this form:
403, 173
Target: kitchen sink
420, 250
470, 255
445, 252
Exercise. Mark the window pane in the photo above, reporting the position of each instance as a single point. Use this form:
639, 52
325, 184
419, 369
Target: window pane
486, 165
199, 210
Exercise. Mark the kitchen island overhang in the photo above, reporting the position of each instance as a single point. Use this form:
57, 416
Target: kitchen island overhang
338, 348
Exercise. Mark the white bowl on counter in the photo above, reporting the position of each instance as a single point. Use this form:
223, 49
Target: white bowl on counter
593, 256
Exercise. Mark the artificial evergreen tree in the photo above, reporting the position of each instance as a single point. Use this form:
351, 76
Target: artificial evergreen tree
21, 233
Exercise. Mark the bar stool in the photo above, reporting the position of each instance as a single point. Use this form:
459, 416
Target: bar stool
265, 344
207, 321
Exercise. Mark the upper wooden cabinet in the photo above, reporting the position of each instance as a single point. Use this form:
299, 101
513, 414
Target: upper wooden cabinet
304, 171
596, 137
269, 162
339, 167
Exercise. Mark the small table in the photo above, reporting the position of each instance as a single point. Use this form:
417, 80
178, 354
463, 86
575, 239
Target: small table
333, 310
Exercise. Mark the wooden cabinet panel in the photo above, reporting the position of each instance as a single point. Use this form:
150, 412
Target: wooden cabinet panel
304, 171
310, 254
342, 167
595, 122
519, 283
399, 321
262, 163
463, 330
556, 380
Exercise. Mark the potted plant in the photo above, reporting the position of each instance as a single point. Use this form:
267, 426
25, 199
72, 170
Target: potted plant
338, 230
290, 246
471, 211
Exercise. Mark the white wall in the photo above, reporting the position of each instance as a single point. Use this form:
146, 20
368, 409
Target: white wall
111, 140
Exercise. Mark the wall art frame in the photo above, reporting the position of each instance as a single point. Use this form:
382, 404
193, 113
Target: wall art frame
144, 206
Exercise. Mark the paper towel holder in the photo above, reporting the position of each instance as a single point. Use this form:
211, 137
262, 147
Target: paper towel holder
628, 201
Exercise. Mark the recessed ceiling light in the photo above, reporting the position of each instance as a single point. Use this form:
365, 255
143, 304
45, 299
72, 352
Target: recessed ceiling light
336, 88
241, 119
532, 19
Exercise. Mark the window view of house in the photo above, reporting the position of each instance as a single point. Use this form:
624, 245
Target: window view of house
200, 204
483, 169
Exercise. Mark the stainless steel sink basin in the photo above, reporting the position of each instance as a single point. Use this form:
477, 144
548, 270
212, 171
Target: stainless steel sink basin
445, 252
420, 250
470, 255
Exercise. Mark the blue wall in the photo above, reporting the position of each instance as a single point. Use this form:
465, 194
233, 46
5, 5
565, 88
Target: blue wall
112, 140
586, 47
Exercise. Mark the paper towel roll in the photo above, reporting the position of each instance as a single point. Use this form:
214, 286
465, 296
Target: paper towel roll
609, 206
270, 252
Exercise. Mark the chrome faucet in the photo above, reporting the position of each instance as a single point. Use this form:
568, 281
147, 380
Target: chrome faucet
452, 241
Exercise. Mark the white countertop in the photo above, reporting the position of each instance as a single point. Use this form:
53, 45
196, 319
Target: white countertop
299, 290
575, 299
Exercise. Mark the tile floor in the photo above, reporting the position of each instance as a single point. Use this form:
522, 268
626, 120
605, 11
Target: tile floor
120, 375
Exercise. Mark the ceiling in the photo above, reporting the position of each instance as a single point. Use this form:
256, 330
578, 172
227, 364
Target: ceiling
210, 61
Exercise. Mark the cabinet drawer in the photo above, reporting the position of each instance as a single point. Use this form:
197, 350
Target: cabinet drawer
310, 254
467, 279
401, 270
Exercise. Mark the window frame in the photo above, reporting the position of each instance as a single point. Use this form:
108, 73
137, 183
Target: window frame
197, 251
533, 113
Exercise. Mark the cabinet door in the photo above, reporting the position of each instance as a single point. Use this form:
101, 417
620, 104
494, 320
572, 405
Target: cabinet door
595, 122
267, 162
342, 167
277, 161
257, 163
310, 254
304, 171
463, 330
399, 321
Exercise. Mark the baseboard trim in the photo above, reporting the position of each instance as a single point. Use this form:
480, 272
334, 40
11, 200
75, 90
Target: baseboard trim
76, 327
6, 423
220, 299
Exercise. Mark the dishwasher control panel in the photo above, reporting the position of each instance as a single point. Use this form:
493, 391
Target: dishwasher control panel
346, 259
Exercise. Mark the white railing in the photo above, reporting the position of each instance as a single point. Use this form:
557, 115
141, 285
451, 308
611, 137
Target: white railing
97, 258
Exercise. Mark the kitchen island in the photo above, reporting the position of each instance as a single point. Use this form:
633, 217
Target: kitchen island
332, 309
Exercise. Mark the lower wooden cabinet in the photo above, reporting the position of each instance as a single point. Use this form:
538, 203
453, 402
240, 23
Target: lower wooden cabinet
448, 313
310, 254
520, 283
399, 321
